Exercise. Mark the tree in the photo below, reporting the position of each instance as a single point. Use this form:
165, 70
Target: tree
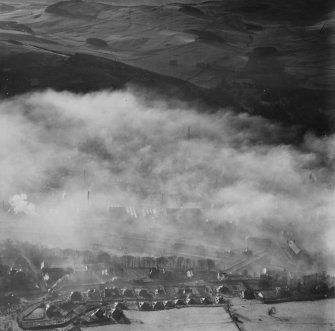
180, 262
210, 264
162, 261
104, 257
172, 261
187, 263
202, 264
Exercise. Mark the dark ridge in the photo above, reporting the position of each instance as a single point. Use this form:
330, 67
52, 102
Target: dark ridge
207, 36
300, 105
96, 42
253, 27
73, 8
213, 2
254, 8
10, 25
81, 73
313, 9
4, 7
296, 11
191, 10
118, 75
265, 52
14, 42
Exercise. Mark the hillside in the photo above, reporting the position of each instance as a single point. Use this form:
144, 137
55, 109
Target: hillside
215, 45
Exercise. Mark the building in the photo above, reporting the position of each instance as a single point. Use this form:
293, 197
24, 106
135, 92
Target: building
124, 214
93, 294
168, 304
179, 302
111, 292
222, 276
76, 296
145, 306
293, 246
127, 293
158, 305
36, 314
98, 268
193, 301
189, 273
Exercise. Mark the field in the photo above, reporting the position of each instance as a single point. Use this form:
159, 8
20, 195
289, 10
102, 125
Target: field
294, 316
235, 51
306, 316
201, 43
185, 319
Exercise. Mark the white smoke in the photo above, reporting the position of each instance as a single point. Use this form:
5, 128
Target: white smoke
126, 151
20, 204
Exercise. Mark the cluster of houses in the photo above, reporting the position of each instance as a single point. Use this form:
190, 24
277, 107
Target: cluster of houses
157, 298
125, 213
105, 306
71, 272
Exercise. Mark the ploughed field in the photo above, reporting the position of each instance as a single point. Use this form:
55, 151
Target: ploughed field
236, 49
200, 43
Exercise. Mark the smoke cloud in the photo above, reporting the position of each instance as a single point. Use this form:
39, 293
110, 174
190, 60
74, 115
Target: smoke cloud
20, 204
70, 153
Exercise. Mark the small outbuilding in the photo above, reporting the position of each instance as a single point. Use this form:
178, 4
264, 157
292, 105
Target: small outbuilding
128, 293
119, 316
145, 306
121, 305
220, 300
76, 296
224, 290
158, 305
193, 301
145, 294
168, 304
206, 301
180, 302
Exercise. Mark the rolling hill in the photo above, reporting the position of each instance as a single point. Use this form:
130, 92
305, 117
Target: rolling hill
265, 57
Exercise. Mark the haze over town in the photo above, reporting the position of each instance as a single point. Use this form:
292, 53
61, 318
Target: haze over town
166, 155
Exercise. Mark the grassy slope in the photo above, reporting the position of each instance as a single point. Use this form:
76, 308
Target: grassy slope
209, 46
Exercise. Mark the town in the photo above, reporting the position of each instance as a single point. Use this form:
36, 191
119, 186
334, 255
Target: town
73, 289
